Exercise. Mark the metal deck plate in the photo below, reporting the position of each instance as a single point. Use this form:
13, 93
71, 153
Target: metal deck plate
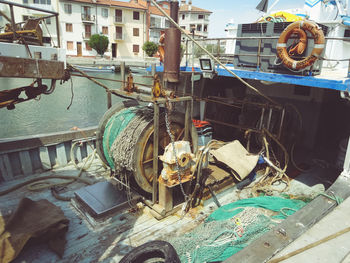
101, 198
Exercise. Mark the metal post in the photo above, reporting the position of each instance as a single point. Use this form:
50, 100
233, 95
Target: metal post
259, 51
281, 124
218, 49
192, 76
155, 151
58, 31
187, 53
13, 23
122, 74
187, 121
153, 69
109, 100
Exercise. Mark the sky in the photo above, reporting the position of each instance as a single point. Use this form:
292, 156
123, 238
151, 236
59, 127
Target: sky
242, 11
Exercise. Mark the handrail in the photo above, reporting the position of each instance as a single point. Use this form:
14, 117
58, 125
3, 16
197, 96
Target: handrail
13, 24
28, 7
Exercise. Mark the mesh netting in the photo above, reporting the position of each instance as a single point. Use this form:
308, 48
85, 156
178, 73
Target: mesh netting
233, 227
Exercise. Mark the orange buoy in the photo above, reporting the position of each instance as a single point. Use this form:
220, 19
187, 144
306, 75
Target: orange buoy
299, 28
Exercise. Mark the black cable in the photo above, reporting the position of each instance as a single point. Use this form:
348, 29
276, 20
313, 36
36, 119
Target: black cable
71, 99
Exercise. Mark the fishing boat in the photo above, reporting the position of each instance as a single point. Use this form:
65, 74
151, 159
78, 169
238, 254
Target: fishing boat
148, 178
100, 69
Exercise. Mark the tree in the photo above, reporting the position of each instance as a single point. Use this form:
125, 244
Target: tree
99, 43
150, 48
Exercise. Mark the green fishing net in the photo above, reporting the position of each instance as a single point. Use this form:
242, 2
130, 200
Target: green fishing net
232, 227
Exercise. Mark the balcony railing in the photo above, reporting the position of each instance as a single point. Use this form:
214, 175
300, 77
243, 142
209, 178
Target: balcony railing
88, 18
119, 19
156, 25
119, 36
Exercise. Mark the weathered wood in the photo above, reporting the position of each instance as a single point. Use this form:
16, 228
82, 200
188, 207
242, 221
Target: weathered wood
61, 158
45, 158
165, 197
30, 142
5, 167
31, 68
26, 163
155, 151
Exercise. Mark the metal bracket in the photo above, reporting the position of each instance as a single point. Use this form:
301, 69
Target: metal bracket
345, 95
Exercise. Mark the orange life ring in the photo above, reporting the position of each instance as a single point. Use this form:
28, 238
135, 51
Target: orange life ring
319, 41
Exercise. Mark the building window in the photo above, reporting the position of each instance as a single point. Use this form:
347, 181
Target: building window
183, 16
42, 2
104, 12
25, 1
105, 30
205, 29
48, 21
136, 15
69, 27
87, 47
199, 27
70, 45
118, 32
87, 31
167, 23
135, 48
118, 16
136, 32
68, 8
200, 16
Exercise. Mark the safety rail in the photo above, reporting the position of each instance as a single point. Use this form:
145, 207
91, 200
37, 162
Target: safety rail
14, 24
217, 46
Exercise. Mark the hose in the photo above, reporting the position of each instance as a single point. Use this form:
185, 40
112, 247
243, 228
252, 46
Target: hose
40, 183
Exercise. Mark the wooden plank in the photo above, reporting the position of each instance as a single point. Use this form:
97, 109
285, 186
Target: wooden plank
45, 158
269, 244
26, 162
5, 168
61, 158
31, 68
30, 142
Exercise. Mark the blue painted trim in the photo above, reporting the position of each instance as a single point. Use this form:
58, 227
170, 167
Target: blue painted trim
341, 85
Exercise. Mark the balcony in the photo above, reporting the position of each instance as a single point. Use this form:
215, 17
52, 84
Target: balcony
86, 35
41, 6
86, 18
156, 25
118, 36
119, 20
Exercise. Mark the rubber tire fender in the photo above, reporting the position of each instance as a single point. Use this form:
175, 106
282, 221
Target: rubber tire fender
152, 249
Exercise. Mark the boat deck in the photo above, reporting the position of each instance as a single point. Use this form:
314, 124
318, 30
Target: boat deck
105, 240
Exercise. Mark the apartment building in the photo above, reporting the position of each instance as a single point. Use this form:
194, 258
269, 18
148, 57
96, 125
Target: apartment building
128, 20
194, 18
122, 22
127, 24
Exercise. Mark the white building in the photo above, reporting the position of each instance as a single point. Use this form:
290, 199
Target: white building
122, 22
128, 29
192, 17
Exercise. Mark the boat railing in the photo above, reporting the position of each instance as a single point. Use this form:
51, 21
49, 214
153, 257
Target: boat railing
15, 26
219, 47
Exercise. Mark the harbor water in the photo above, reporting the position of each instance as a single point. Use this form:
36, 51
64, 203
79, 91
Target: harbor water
49, 113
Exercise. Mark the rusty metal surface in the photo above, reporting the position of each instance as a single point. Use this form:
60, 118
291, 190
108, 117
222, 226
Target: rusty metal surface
30, 68
174, 12
172, 55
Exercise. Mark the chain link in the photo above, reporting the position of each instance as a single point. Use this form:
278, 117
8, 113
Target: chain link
178, 167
